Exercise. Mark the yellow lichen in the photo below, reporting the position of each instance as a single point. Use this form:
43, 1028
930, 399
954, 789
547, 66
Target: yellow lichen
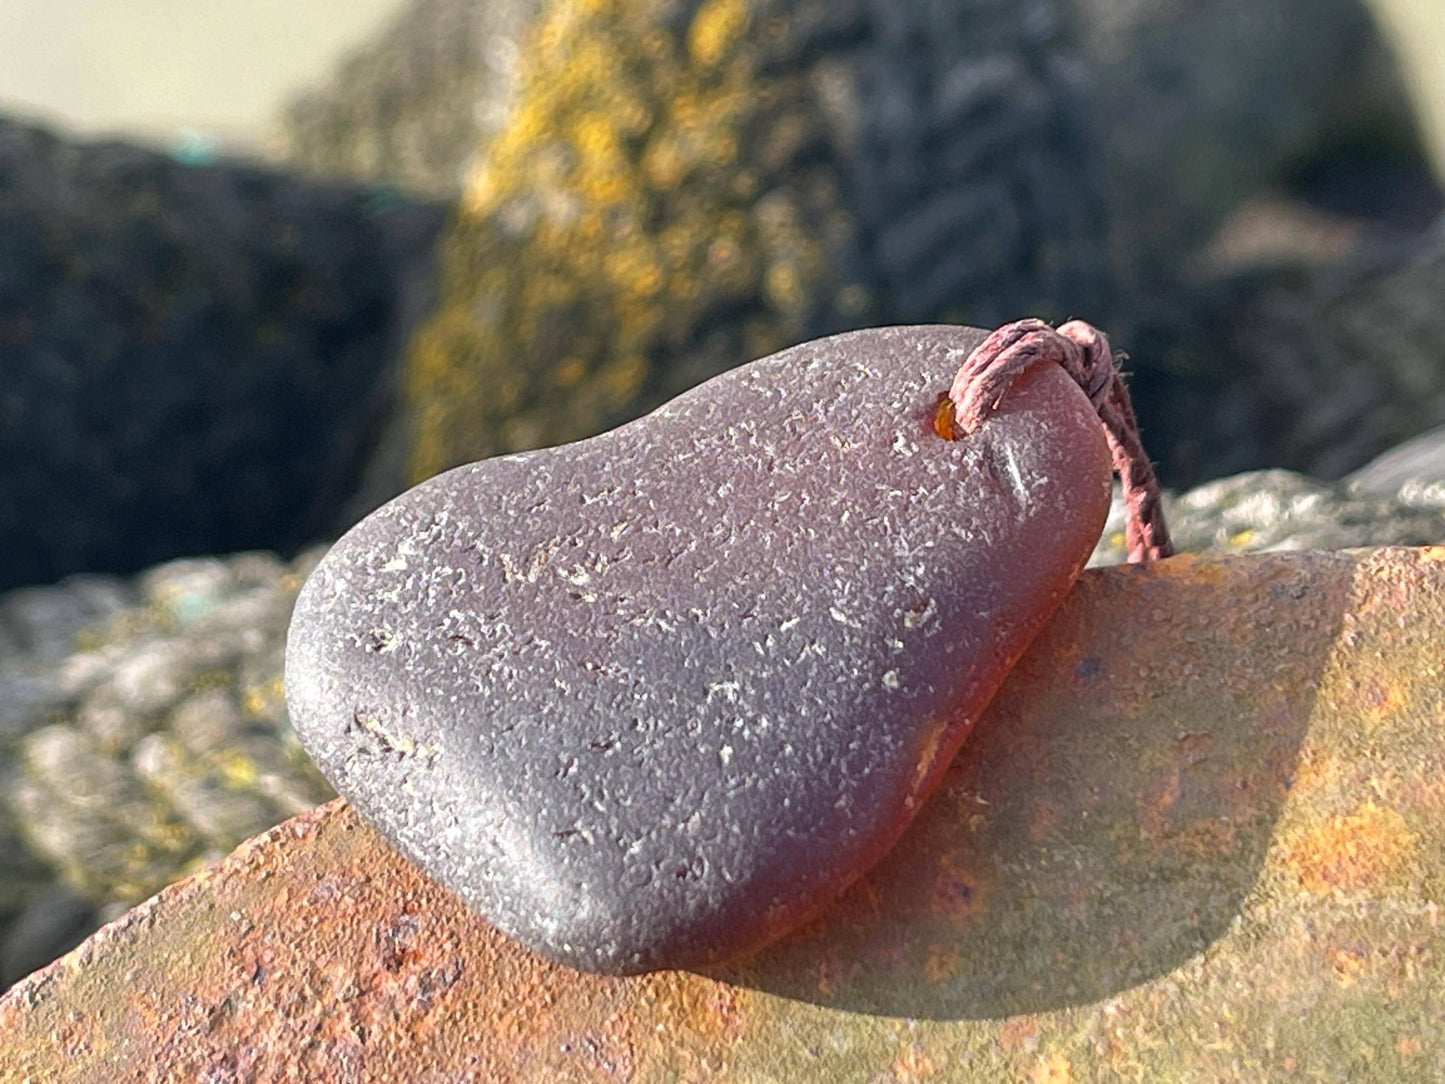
237, 771
715, 30
633, 193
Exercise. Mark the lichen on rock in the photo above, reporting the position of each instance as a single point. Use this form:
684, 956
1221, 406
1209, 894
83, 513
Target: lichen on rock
161, 740
683, 187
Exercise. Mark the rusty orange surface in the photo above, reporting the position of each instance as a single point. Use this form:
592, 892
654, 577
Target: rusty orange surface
1200, 834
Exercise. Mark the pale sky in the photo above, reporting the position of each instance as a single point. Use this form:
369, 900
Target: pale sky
159, 68
224, 68
1417, 30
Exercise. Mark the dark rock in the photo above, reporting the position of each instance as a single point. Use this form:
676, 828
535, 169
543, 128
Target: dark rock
1203, 103
894, 163
975, 176
651, 699
51, 926
1177, 85
195, 356
1316, 369
1203, 107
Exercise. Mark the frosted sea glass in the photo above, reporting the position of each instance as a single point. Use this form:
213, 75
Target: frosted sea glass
653, 699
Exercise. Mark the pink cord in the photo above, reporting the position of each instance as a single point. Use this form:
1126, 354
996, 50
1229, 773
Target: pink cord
1083, 352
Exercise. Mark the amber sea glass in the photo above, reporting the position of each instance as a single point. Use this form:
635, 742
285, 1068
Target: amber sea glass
654, 698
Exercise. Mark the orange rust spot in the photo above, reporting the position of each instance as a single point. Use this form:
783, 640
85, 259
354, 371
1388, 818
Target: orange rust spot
1347, 965
913, 1064
1055, 1069
1315, 769
1360, 850
1154, 809
697, 1007
942, 962
1019, 1033
957, 893
1043, 818
1199, 568
1380, 700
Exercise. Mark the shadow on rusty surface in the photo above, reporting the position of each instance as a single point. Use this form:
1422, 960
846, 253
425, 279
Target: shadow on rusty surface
1210, 792
1108, 816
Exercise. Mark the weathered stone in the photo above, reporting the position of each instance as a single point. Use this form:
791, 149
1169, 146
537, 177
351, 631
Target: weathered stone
1197, 836
156, 744
1412, 473
1270, 510
651, 699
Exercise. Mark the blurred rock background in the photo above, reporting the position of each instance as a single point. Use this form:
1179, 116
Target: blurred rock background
413, 232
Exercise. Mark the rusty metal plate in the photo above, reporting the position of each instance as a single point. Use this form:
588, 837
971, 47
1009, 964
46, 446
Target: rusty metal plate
1200, 834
